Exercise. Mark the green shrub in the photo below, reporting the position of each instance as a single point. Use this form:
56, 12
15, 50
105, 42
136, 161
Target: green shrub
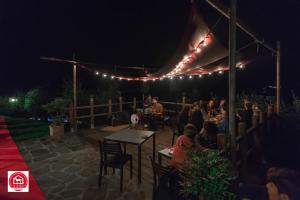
209, 175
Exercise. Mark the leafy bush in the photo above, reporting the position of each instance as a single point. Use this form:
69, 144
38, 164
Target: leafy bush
209, 175
57, 107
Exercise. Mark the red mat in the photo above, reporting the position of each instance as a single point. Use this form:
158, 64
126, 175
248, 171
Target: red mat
12, 160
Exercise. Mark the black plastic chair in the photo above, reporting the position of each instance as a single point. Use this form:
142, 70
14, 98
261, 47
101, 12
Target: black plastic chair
111, 155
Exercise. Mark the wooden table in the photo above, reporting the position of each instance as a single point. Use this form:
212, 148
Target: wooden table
135, 137
166, 152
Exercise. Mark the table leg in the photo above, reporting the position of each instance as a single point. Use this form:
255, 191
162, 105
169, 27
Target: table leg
124, 145
153, 148
139, 164
159, 158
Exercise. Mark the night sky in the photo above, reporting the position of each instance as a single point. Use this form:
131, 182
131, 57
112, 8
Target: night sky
128, 33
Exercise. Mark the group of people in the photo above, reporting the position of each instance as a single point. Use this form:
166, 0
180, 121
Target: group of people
199, 125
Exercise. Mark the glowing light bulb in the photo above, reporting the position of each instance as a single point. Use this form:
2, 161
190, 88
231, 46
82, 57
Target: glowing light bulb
242, 66
198, 50
200, 76
209, 73
220, 72
97, 73
112, 77
190, 77
180, 77
104, 75
171, 77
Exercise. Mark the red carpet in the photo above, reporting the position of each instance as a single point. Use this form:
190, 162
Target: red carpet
12, 160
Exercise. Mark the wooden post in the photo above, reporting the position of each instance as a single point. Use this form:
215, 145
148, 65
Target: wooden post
255, 119
270, 110
92, 111
243, 147
183, 101
71, 116
232, 79
75, 94
278, 54
134, 103
120, 104
109, 107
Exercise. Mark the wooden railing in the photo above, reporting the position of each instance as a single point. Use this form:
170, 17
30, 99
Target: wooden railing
248, 142
74, 116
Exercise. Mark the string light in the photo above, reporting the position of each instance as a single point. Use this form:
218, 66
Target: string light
190, 77
180, 77
104, 75
220, 72
242, 66
198, 50
209, 73
200, 76
97, 73
112, 77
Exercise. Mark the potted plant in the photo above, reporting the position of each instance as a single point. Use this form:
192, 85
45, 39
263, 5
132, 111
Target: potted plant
57, 108
208, 176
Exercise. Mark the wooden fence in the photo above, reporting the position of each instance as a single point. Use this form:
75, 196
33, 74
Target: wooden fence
91, 109
249, 142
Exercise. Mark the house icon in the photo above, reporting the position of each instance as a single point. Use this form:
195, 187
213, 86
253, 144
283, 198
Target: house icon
18, 180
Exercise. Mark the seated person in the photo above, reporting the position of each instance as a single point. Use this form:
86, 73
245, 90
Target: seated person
222, 104
207, 139
223, 121
183, 144
156, 113
211, 109
196, 117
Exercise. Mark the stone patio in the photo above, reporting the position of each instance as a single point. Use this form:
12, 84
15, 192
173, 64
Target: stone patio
67, 168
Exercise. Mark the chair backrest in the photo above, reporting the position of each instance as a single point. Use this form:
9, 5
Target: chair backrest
110, 148
159, 171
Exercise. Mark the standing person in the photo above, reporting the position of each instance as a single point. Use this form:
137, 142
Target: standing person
246, 114
203, 109
196, 117
183, 119
156, 113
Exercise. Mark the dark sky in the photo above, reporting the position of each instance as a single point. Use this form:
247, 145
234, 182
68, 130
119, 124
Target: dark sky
124, 32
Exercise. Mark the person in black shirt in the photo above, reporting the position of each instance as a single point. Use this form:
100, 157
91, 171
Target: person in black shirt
208, 136
196, 117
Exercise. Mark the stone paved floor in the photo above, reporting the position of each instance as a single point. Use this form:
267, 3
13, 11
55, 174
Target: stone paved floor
67, 168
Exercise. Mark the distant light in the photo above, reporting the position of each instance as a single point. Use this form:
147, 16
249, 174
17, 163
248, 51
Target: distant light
220, 72
171, 77
13, 100
198, 50
186, 57
104, 75
161, 78
209, 73
242, 66
120, 78
97, 73
200, 76
145, 80
190, 77
112, 77
180, 77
